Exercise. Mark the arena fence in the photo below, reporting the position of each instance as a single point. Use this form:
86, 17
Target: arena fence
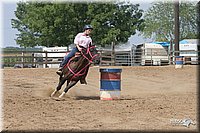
107, 58
30, 59
146, 57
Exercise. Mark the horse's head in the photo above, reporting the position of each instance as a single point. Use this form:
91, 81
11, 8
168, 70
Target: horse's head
91, 54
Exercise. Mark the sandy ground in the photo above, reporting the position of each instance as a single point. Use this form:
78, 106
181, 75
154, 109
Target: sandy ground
152, 98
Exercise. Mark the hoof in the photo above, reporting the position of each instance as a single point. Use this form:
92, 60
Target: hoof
60, 99
83, 81
53, 94
62, 95
57, 99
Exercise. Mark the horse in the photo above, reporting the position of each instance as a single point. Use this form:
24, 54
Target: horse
76, 69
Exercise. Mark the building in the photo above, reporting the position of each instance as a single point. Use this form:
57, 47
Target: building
189, 50
155, 53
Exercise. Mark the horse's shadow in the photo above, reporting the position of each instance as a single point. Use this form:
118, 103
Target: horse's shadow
87, 98
98, 98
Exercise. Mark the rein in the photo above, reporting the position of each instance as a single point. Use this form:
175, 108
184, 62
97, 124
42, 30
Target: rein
84, 68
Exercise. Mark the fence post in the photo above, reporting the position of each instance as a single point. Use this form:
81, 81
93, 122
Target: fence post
168, 54
32, 59
151, 58
100, 59
113, 53
22, 59
132, 56
46, 59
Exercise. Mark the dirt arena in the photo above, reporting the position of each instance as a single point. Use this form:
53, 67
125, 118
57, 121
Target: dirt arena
152, 98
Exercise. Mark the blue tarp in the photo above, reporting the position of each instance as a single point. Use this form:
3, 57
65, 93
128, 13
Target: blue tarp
187, 41
164, 44
183, 42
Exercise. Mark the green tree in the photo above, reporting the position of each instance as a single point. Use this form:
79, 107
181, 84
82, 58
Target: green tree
115, 22
159, 21
56, 24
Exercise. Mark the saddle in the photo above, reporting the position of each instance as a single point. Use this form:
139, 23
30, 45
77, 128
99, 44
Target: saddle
77, 54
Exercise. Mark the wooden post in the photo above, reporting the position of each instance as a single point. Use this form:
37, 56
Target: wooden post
113, 53
171, 52
33, 65
100, 55
22, 59
132, 52
46, 59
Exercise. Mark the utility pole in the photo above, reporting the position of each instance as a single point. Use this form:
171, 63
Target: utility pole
176, 22
198, 34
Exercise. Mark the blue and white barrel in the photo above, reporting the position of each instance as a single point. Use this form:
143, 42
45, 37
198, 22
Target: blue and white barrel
110, 83
179, 61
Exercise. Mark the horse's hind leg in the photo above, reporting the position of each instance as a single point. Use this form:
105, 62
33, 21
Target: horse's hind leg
61, 82
72, 83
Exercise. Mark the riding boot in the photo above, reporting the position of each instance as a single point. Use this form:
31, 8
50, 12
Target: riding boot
59, 72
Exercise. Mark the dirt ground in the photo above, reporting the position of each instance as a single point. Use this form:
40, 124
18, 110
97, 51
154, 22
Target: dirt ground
152, 98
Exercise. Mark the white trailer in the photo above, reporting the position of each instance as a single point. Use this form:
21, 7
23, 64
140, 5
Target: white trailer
189, 49
62, 50
155, 53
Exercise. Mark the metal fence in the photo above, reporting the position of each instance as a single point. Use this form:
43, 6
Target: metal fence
150, 57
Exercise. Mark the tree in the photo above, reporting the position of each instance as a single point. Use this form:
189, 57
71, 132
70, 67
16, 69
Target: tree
56, 24
43, 24
159, 21
115, 22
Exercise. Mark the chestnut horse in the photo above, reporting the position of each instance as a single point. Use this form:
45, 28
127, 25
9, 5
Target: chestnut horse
76, 69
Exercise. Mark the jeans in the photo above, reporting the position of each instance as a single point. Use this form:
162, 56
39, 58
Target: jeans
69, 56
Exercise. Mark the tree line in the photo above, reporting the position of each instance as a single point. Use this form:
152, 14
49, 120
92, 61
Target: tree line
56, 24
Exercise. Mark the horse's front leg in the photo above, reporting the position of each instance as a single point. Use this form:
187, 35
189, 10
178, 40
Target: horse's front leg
72, 83
68, 81
61, 82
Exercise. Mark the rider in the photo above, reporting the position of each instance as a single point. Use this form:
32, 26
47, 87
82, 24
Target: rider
81, 40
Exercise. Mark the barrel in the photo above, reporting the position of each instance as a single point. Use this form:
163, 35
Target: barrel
179, 61
110, 83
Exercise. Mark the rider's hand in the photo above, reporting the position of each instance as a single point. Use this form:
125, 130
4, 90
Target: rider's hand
79, 48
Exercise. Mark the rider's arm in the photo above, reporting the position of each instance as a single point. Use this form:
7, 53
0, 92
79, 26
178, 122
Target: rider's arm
79, 48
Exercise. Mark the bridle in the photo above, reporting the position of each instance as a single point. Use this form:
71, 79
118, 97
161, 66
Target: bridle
89, 52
